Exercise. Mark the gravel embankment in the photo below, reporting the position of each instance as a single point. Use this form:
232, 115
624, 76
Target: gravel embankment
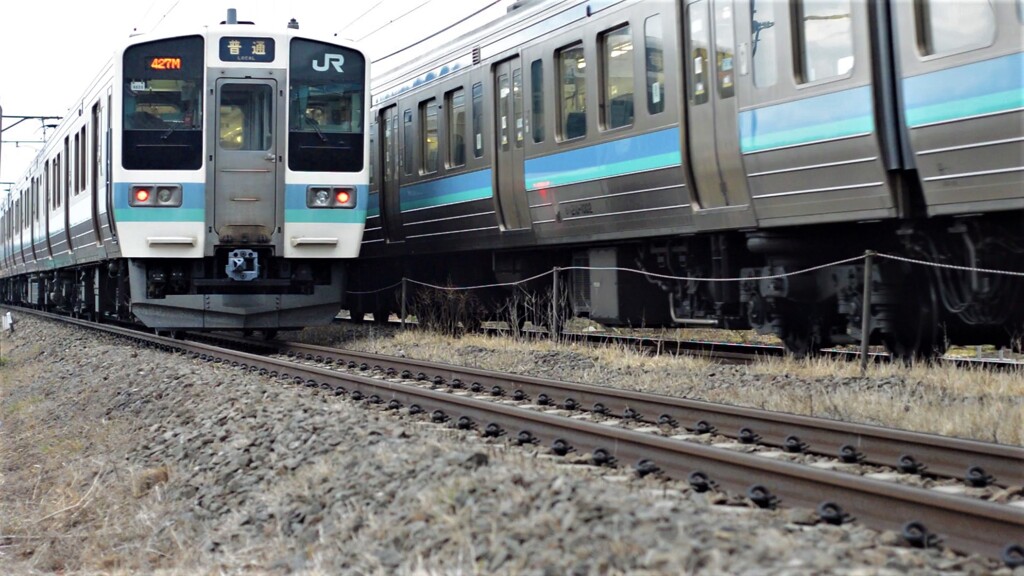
116, 460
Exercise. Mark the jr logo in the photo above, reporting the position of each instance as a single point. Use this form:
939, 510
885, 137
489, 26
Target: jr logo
336, 60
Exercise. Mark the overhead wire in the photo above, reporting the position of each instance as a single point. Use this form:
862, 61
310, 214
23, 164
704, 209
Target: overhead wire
441, 31
392, 21
358, 18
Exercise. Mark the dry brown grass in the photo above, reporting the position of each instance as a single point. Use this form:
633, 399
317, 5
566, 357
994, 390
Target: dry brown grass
68, 502
941, 399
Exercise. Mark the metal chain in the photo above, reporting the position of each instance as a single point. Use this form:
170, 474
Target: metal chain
950, 266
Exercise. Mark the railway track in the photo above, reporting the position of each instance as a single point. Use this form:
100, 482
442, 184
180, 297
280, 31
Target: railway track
661, 436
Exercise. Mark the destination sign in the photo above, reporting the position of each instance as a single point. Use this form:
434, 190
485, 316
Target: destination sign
245, 49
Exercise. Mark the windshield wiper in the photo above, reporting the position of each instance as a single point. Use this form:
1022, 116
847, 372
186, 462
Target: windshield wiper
316, 126
170, 130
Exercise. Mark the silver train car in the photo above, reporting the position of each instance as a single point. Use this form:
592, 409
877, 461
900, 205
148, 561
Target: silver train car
717, 139
208, 179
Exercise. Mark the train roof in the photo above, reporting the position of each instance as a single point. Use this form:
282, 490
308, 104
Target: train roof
525, 20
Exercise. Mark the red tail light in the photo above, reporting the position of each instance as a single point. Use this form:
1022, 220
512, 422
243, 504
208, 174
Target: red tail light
343, 197
142, 195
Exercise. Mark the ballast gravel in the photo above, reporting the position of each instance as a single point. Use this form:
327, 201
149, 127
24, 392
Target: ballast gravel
245, 474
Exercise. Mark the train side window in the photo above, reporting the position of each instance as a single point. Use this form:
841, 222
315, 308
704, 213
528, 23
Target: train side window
517, 106
407, 144
572, 75
617, 72
654, 58
825, 39
428, 120
77, 174
82, 170
699, 43
725, 40
478, 120
944, 27
65, 186
46, 185
456, 102
763, 43
537, 99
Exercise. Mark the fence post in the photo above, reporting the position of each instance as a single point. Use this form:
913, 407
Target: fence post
865, 320
553, 324
403, 302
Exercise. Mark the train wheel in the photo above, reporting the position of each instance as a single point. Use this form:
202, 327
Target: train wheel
916, 334
804, 335
356, 312
381, 316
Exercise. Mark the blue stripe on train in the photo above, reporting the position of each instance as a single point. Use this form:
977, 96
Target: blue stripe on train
625, 156
450, 190
825, 117
970, 90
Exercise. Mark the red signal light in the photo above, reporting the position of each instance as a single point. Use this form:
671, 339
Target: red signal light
142, 195
343, 197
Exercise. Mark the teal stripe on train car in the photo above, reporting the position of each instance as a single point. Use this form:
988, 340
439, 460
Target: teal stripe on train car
986, 87
295, 209
625, 156
373, 205
808, 120
192, 209
450, 190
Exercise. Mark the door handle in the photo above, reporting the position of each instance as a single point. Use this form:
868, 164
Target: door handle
270, 157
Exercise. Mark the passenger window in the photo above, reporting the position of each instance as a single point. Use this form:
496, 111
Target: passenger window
428, 119
78, 167
725, 40
407, 144
456, 128
478, 120
655, 64
699, 42
517, 106
826, 39
82, 163
617, 72
572, 69
945, 26
762, 42
537, 99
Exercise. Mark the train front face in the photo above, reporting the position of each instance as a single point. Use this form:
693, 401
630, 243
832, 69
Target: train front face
240, 177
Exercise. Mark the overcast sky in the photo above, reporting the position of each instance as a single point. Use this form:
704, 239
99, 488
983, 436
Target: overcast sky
51, 49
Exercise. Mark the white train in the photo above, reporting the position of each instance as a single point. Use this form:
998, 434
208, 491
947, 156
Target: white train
215, 178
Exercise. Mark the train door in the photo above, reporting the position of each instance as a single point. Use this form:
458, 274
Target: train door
95, 169
510, 136
245, 181
711, 109
390, 191
108, 188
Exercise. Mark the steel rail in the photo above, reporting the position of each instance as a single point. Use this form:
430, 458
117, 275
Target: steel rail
924, 517
911, 452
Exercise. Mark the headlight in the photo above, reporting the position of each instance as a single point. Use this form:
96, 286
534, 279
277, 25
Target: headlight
155, 196
331, 197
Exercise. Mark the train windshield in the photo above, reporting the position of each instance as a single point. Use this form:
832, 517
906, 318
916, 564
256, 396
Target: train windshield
326, 108
163, 105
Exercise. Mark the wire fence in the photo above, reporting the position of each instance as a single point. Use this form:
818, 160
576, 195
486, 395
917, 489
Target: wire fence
866, 258
647, 274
